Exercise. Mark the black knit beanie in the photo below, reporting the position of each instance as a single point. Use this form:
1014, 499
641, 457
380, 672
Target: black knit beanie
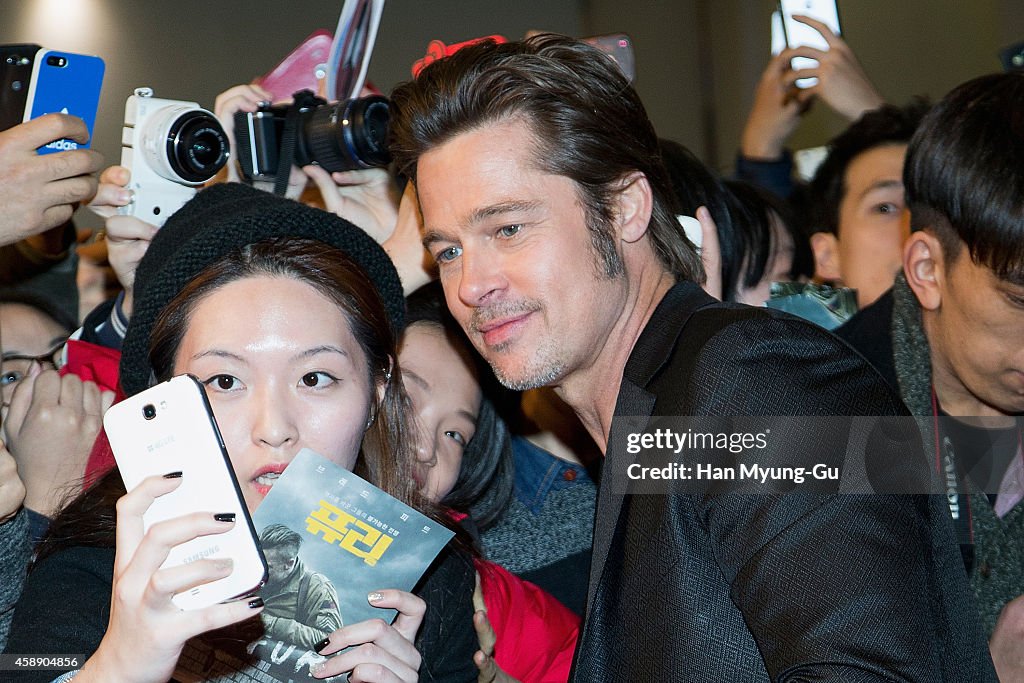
217, 221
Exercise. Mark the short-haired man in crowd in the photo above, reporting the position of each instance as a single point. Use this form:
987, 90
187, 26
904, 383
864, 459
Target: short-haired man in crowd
855, 202
546, 206
948, 334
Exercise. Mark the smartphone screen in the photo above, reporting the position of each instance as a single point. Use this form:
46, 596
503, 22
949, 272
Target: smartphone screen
171, 428
798, 34
15, 75
67, 83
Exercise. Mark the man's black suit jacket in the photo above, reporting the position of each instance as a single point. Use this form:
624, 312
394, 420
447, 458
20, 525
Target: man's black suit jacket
741, 588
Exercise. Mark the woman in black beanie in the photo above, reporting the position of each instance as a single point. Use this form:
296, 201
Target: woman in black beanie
289, 316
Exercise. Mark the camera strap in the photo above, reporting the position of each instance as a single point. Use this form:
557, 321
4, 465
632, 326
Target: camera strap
304, 100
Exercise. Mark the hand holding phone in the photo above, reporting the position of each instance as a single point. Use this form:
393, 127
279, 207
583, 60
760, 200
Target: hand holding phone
835, 74
801, 34
170, 428
146, 633
40, 192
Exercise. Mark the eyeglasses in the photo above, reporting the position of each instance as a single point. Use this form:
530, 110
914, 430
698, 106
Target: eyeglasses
15, 366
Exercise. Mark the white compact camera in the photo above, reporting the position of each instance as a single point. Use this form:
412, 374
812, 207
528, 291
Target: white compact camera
171, 147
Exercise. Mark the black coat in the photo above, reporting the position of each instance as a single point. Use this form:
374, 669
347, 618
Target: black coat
737, 588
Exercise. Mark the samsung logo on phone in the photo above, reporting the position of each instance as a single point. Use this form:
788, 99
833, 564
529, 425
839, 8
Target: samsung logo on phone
207, 552
169, 439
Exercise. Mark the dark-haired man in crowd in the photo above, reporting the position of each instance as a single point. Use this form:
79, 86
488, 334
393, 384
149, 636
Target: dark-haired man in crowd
854, 203
948, 334
546, 206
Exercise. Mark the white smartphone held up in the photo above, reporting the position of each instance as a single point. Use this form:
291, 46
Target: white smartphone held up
170, 428
798, 34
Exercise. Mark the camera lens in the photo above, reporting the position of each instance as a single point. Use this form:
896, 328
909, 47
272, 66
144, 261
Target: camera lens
348, 135
149, 411
183, 143
196, 146
54, 60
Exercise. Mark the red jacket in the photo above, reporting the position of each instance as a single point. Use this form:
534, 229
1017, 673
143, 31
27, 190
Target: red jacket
98, 364
536, 633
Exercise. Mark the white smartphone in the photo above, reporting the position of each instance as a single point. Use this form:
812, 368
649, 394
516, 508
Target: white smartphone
170, 428
798, 34
778, 34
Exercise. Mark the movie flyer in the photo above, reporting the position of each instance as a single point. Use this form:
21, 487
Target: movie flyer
329, 538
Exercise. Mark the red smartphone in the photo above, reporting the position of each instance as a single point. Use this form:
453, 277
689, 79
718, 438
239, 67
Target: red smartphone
304, 68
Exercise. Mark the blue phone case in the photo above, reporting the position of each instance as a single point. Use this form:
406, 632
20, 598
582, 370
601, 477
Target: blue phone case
68, 83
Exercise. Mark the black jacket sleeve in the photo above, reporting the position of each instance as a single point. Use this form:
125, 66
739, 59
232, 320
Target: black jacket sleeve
447, 640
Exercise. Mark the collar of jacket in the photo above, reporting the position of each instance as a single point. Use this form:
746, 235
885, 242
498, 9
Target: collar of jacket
910, 350
648, 357
651, 351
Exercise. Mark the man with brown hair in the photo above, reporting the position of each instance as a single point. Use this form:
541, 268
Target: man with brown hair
546, 206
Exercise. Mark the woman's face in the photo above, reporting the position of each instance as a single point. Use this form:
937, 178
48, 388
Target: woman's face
27, 333
283, 372
445, 397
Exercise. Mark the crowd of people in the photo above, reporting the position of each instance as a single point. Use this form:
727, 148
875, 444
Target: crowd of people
470, 328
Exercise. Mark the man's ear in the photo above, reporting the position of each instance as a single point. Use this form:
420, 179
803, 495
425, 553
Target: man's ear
634, 203
924, 268
825, 246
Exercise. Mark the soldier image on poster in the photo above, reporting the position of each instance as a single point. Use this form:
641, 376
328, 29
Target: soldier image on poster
301, 605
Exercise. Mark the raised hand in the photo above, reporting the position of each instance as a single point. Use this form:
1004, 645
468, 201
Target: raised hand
381, 652
147, 631
842, 83
39, 192
51, 425
127, 237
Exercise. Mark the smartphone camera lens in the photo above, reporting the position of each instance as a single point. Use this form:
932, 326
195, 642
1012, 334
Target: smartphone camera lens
149, 411
54, 60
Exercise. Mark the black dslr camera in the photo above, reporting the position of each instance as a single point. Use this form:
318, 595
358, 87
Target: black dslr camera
343, 136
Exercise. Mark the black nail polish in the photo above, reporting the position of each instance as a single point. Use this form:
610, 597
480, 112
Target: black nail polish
173, 475
255, 602
224, 516
322, 645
